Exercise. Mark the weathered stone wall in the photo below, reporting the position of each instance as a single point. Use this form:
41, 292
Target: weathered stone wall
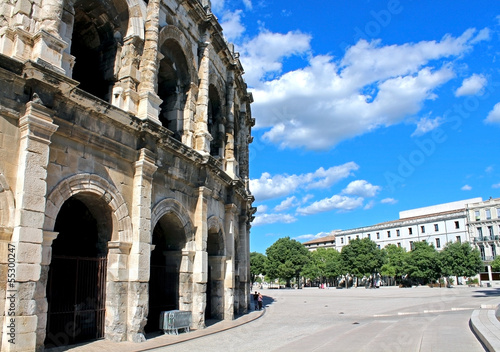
60, 139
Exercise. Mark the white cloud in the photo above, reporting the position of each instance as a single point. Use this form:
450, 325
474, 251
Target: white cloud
388, 201
217, 5
308, 237
484, 34
361, 188
264, 54
329, 100
466, 188
262, 208
496, 185
369, 205
231, 23
472, 85
425, 125
265, 219
267, 186
494, 115
286, 204
336, 202
248, 4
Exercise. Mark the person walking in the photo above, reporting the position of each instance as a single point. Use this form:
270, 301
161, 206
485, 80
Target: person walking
256, 300
259, 299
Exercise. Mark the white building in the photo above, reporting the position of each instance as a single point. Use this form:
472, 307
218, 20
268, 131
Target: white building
437, 224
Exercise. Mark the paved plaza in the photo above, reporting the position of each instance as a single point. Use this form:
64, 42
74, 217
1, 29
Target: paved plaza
356, 319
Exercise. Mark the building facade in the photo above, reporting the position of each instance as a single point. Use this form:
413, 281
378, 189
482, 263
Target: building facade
484, 227
124, 161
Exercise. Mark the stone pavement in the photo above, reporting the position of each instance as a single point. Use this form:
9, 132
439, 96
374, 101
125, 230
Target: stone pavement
161, 340
282, 331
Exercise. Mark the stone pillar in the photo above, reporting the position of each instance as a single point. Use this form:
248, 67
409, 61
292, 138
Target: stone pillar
149, 101
200, 265
185, 281
51, 16
5, 239
244, 265
139, 261
36, 128
231, 162
202, 135
48, 238
229, 280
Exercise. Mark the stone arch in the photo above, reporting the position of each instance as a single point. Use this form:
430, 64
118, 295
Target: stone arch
92, 184
174, 33
7, 203
170, 205
216, 120
215, 226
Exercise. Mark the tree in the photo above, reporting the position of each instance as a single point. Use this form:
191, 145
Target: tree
286, 259
257, 264
395, 259
460, 259
422, 263
361, 257
323, 264
495, 264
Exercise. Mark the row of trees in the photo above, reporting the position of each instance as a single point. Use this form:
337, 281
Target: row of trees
288, 259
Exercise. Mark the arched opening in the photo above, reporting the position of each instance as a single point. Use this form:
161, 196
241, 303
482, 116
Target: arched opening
215, 123
215, 282
173, 86
98, 31
169, 239
76, 283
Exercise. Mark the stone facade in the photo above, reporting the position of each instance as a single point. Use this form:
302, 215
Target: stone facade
124, 159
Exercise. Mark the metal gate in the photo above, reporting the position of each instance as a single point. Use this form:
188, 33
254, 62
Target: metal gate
76, 297
163, 293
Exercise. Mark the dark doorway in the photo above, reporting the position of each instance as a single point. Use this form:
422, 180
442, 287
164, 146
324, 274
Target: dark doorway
77, 277
169, 239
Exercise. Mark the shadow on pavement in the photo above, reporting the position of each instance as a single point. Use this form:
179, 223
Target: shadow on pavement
488, 293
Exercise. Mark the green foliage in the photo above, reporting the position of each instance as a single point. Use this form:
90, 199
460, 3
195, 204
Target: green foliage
257, 264
395, 259
460, 259
324, 263
422, 263
286, 259
495, 264
361, 257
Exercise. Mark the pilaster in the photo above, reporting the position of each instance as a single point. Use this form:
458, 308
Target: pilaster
139, 258
36, 128
202, 136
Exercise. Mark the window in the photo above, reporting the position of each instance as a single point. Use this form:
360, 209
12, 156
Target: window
457, 225
438, 243
341, 240
397, 233
399, 244
498, 212
357, 237
369, 237
477, 215
488, 214
411, 245
348, 238
480, 232
493, 251
436, 227
490, 231
378, 235
459, 239
410, 231
378, 246
481, 249
388, 234
422, 229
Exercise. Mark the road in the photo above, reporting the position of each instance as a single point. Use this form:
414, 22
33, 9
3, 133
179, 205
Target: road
357, 319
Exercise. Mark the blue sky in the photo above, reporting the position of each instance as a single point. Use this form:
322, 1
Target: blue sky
365, 108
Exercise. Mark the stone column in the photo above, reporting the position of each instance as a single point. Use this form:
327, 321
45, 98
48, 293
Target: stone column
149, 103
244, 265
36, 128
229, 280
200, 265
202, 136
139, 261
231, 162
51, 16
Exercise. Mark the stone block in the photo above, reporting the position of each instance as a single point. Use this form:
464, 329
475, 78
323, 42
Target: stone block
27, 234
27, 272
28, 252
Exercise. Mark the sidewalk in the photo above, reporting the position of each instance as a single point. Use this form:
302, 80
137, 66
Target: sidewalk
161, 340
